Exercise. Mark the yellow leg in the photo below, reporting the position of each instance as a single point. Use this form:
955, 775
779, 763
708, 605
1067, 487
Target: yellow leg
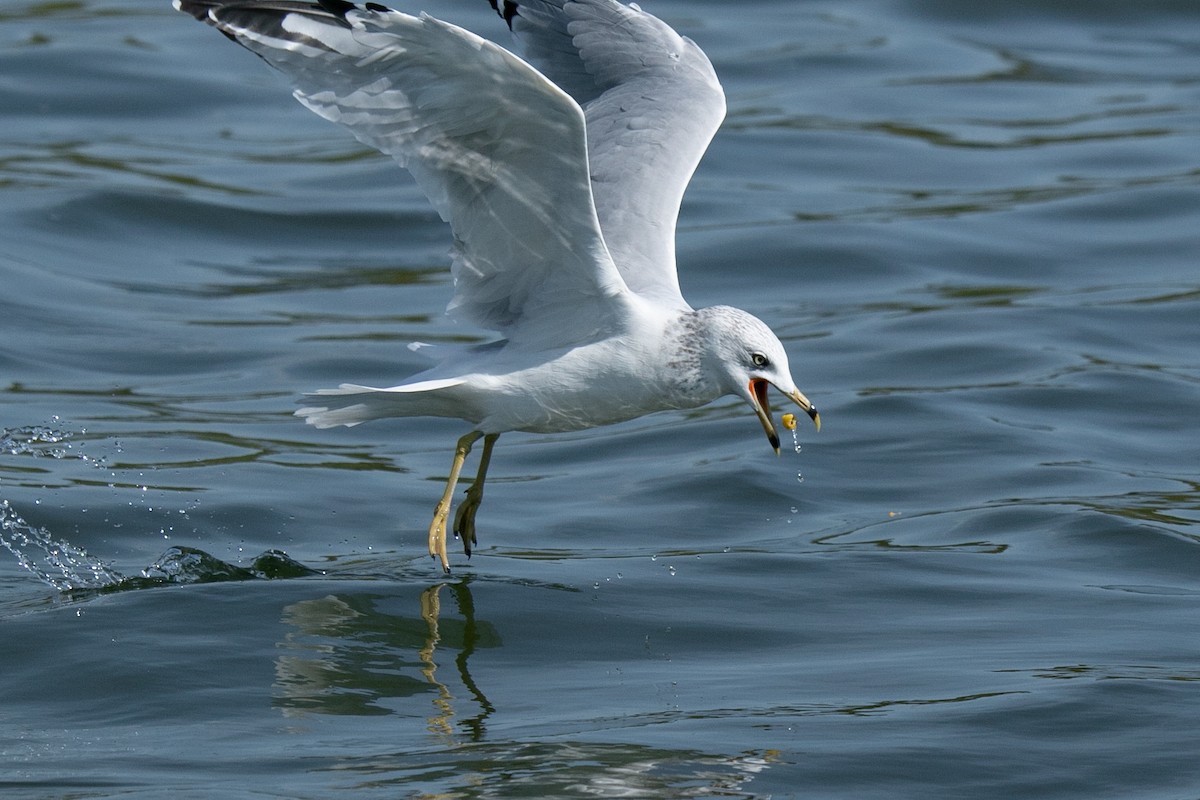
437, 528
464, 520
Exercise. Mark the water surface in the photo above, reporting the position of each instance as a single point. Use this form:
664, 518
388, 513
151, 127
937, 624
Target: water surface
975, 229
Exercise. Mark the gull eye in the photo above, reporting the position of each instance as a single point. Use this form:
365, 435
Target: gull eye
759, 360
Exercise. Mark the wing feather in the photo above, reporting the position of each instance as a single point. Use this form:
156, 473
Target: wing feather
652, 103
499, 150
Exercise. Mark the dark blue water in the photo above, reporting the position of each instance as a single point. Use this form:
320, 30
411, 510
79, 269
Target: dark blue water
975, 226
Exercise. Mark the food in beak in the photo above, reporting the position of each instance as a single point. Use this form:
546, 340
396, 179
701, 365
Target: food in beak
762, 408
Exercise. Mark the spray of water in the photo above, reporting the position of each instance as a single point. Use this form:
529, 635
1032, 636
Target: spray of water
55, 561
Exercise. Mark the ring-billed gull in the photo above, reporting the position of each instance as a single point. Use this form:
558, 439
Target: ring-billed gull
561, 174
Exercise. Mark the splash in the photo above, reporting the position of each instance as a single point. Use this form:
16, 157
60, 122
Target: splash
35, 440
68, 568
188, 565
55, 561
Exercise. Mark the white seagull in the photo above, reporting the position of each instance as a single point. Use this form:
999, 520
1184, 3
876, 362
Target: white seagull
561, 173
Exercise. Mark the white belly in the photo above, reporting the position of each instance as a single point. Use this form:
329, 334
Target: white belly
568, 393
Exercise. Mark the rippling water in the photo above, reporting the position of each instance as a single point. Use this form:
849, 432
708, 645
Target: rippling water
976, 227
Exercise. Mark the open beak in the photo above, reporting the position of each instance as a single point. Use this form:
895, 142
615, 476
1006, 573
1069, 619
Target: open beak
762, 407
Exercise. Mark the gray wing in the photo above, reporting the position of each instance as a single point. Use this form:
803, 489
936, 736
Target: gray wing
652, 103
498, 149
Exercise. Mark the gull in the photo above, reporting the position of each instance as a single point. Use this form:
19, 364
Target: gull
561, 172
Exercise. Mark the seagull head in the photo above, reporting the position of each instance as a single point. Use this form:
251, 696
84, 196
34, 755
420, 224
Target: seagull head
748, 359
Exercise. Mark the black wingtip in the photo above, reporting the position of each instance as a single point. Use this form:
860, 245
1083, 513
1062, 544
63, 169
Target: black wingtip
507, 12
196, 8
338, 7
246, 12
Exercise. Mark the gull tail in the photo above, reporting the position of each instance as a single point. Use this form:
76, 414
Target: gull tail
352, 405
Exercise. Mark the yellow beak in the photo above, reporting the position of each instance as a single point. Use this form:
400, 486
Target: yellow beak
762, 408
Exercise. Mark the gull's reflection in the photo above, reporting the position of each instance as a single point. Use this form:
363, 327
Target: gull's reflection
370, 654
431, 607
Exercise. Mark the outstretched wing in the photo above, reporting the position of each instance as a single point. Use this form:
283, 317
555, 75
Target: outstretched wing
653, 104
498, 149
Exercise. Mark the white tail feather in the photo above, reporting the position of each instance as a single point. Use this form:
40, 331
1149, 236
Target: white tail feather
350, 404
